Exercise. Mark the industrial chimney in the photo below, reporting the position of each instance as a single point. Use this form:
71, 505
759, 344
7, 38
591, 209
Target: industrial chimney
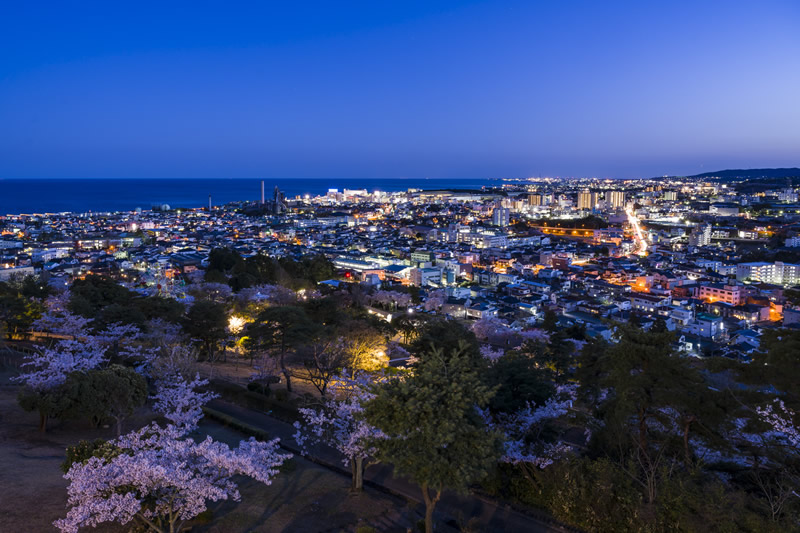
262, 192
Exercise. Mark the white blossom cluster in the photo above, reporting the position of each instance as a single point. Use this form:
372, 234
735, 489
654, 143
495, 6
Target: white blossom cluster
339, 423
781, 418
50, 366
179, 401
389, 298
521, 430
161, 478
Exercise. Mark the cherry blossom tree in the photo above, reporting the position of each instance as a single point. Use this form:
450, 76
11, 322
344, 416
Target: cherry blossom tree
217, 292
339, 423
159, 479
783, 484
523, 445
58, 319
115, 335
47, 370
492, 354
162, 362
162, 333
390, 299
435, 300
50, 366
273, 294
535, 335
781, 418
490, 328
180, 403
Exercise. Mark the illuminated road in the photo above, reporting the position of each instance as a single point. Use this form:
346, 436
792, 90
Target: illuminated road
638, 234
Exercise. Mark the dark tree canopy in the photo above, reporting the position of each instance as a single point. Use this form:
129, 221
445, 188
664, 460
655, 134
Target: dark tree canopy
435, 434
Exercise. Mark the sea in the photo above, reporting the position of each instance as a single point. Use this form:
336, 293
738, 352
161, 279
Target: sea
21, 196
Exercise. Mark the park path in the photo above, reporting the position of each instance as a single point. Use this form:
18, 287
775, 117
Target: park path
452, 509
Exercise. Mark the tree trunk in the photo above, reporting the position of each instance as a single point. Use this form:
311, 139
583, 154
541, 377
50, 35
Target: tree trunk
286, 373
687, 454
119, 426
430, 505
357, 466
42, 422
642, 430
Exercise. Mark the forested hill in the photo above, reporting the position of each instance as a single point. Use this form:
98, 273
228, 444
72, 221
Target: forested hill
751, 173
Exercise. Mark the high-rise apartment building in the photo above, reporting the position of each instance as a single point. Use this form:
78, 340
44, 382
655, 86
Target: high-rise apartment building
501, 216
615, 198
701, 235
587, 199
534, 199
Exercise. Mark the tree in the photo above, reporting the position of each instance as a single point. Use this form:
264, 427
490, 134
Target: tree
554, 353
280, 328
641, 375
49, 370
90, 295
159, 479
115, 391
57, 318
179, 402
17, 312
324, 360
550, 321
409, 325
519, 382
523, 443
365, 348
206, 321
160, 308
216, 292
434, 431
35, 287
339, 423
446, 336
435, 300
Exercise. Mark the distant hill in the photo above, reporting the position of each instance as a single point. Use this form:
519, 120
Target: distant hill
750, 173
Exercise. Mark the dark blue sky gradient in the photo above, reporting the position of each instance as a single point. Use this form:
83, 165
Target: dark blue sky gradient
396, 89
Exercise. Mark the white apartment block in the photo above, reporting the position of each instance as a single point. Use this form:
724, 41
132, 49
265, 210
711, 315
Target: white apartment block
777, 273
716, 292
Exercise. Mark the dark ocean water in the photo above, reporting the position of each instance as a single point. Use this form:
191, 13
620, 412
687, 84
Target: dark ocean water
55, 196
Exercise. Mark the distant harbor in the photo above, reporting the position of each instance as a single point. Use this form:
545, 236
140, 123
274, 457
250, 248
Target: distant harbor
76, 195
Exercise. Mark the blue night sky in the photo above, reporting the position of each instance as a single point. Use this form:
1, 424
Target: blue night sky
396, 88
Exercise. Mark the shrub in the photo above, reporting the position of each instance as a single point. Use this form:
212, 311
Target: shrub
86, 449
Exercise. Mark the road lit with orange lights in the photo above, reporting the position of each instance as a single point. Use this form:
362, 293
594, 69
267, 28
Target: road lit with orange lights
638, 234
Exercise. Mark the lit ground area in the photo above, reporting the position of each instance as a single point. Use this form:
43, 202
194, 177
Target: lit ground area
303, 498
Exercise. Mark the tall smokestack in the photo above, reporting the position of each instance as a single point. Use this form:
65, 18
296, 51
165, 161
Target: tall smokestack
209, 203
262, 192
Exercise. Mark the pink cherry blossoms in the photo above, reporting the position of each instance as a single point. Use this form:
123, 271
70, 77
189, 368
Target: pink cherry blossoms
160, 479
51, 366
535, 335
58, 319
491, 328
782, 421
389, 299
180, 403
492, 354
522, 429
339, 423
435, 300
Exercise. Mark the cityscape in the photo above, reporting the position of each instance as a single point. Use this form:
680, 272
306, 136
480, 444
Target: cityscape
518, 327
